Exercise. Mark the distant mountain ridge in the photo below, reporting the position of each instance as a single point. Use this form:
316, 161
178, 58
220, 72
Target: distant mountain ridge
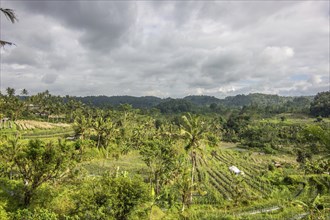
198, 100
106, 101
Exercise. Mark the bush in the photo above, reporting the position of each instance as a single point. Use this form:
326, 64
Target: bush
113, 196
268, 149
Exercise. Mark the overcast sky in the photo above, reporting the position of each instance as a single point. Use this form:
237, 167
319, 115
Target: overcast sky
174, 48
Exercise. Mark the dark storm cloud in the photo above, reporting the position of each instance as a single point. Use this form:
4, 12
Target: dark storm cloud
222, 66
167, 48
101, 23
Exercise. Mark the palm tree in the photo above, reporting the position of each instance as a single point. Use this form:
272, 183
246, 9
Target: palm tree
81, 125
103, 128
193, 130
10, 92
24, 92
10, 15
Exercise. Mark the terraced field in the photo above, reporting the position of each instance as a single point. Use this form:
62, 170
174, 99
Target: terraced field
251, 186
230, 185
31, 124
38, 129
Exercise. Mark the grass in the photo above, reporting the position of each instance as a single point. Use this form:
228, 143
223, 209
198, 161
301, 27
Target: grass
130, 162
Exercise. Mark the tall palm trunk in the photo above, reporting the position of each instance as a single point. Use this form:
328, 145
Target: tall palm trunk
193, 168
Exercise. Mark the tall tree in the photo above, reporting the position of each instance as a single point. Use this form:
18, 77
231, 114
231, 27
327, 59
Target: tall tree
321, 104
193, 130
160, 156
40, 162
24, 92
104, 129
81, 125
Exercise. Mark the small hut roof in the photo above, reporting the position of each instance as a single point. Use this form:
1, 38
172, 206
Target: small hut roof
234, 169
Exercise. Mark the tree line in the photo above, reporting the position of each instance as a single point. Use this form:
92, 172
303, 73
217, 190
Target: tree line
44, 104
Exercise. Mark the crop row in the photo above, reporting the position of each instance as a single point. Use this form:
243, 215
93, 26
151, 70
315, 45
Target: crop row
247, 167
222, 177
220, 180
252, 180
266, 188
226, 156
222, 159
220, 187
47, 134
256, 186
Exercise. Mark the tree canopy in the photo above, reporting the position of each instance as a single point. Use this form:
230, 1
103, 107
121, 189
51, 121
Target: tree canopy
321, 104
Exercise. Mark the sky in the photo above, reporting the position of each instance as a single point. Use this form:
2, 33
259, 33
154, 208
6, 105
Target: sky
166, 48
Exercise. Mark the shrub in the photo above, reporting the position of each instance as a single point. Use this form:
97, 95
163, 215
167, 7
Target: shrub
113, 196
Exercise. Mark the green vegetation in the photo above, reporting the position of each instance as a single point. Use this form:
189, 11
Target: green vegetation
263, 103
193, 158
321, 105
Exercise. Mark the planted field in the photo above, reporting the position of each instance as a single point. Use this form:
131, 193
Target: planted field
131, 163
252, 193
30, 124
37, 129
228, 185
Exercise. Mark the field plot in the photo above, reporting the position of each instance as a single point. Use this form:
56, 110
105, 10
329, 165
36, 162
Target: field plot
38, 129
247, 183
251, 193
130, 163
30, 124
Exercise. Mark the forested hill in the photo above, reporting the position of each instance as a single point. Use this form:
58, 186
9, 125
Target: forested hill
202, 100
264, 100
198, 100
106, 101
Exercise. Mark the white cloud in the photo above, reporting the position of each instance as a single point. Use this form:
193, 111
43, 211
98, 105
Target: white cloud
277, 54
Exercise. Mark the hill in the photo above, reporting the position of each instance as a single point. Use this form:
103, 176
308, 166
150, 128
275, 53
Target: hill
190, 102
114, 101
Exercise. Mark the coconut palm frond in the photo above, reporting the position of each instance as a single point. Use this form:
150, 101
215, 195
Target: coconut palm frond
3, 43
10, 14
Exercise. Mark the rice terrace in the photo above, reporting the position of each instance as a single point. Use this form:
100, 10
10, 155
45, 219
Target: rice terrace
164, 110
